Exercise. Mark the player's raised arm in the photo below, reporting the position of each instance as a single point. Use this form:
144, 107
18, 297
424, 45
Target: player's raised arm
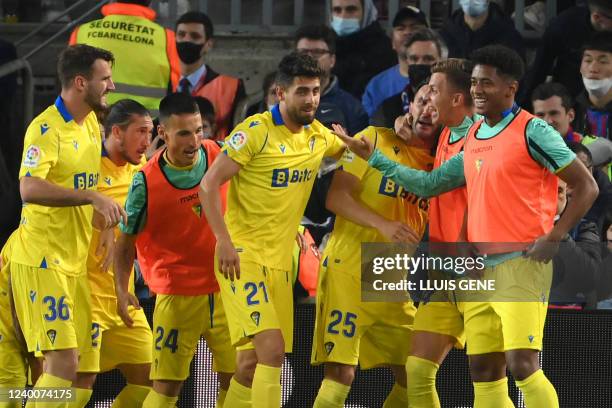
447, 177
220, 172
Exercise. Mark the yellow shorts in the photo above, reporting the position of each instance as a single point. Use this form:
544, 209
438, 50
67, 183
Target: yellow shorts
515, 318
439, 314
112, 342
178, 323
13, 364
441, 317
262, 299
53, 308
349, 331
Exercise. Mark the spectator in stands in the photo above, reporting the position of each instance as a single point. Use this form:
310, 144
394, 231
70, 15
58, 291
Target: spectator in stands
604, 288
603, 203
393, 80
552, 102
269, 99
560, 50
207, 112
576, 265
476, 24
363, 49
128, 30
423, 49
194, 38
336, 105
594, 104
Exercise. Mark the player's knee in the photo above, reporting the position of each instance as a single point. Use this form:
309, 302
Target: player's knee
523, 363
85, 380
340, 373
270, 348
487, 368
62, 363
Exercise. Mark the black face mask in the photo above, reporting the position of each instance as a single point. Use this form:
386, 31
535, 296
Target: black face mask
418, 74
189, 52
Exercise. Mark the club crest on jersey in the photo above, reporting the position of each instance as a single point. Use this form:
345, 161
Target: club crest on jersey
282, 148
478, 163
32, 156
51, 334
237, 140
311, 143
43, 128
197, 209
329, 346
255, 318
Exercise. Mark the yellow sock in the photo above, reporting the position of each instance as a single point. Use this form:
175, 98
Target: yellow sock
131, 395
47, 380
422, 383
157, 400
397, 398
332, 394
538, 391
238, 396
492, 394
221, 398
266, 389
82, 397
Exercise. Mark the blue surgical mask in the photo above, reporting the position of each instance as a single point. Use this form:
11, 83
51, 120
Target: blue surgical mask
345, 26
474, 8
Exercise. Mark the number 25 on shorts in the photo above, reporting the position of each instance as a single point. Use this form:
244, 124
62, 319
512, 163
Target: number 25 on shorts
349, 323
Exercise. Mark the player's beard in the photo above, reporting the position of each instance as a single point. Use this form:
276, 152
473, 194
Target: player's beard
95, 101
301, 117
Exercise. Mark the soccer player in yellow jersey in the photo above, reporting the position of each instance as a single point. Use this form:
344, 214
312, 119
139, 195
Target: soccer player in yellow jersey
58, 178
369, 208
272, 159
127, 128
15, 363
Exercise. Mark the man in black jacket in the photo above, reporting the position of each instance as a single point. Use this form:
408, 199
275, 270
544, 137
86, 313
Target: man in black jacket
477, 24
363, 49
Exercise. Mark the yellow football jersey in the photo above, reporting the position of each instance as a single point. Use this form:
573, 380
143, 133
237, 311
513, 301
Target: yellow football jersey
66, 154
5, 255
267, 198
380, 195
114, 182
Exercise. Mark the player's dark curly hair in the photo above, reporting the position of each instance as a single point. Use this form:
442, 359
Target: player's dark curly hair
505, 60
297, 65
79, 59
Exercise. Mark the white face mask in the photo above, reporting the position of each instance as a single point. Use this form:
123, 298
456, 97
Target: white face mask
474, 8
597, 87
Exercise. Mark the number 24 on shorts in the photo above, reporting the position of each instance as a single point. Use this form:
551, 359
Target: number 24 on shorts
171, 341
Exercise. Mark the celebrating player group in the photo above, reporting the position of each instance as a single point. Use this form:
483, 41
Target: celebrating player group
211, 228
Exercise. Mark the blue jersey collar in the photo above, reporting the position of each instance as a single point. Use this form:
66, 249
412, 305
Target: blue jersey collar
61, 107
277, 118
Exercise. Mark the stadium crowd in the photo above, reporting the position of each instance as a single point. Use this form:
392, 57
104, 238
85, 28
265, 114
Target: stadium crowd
142, 179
